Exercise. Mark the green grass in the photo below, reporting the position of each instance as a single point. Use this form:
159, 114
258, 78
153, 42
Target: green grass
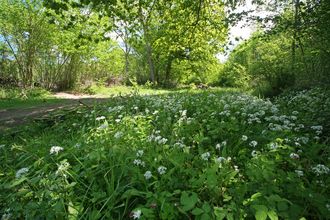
27, 103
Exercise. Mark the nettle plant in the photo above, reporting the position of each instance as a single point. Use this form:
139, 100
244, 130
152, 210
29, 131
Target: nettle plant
194, 155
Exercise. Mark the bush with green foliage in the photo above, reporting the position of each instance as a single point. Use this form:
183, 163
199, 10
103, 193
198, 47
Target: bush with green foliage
193, 155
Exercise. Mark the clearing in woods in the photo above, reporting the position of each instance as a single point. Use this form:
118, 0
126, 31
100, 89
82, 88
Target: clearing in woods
16, 117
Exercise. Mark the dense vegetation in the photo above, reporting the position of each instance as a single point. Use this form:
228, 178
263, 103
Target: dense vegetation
190, 154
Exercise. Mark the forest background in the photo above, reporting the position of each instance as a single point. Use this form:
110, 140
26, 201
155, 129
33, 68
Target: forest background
64, 44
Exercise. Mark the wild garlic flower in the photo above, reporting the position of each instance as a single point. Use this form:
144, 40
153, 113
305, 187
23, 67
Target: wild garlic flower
62, 168
102, 127
21, 173
244, 138
162, 141
119, 134
253, 143
2, 146
254, 153
300, 173
155, 112
218, 146
206, 156
321, 169
139, 153
117, 120
137, 214
100, 118
138, 162
273, 146
294, 156
221, 160
162, 170
55, 149
147, 175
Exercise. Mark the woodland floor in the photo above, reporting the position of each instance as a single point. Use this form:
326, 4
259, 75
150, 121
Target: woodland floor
16, 117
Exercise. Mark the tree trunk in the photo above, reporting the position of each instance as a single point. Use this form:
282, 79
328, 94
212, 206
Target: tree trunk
168, 71
151, 63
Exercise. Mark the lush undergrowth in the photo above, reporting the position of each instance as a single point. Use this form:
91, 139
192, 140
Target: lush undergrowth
191, 155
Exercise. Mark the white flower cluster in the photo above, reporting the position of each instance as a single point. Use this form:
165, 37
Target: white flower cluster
21, 173
321, 169
100, 118
138, 162
162, 170
224, 143
62, 168
116, 109
147, 175
300, 173
205, 156
253, 143
119, 134
255, 153
139, 153
2, 146
294, 156
102, 127
244, 138
55, 149
273, 146
137, 214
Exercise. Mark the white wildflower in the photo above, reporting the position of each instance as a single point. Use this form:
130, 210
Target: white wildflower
137, 214
147, 175
55, 149
221, 160
162, 170
206, 156
119, 134
21, 173
102, 127
300, 173
244, 138
139, 153
253, 143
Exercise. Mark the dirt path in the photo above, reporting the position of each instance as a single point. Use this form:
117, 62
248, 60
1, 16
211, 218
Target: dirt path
15, 117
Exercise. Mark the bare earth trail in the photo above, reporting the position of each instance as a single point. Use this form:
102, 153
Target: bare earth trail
16, 117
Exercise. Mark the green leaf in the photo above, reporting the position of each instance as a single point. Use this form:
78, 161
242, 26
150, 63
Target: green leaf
23, 192
130, 193
197, 211
188, 202
35, 180
261, 208
281, 206
261, 215
205, 216
231, 175
207, 207
242, 189
272, 215
71, 185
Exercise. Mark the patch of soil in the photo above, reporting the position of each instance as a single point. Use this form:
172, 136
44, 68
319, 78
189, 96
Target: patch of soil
15, 117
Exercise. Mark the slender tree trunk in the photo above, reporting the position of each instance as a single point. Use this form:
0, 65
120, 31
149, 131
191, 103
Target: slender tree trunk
151, 63
303, 56
168, 71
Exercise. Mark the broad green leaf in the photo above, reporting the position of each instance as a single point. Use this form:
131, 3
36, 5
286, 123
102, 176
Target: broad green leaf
261, 208
261, 215
197, 211
281, 206
272, 215
206, 207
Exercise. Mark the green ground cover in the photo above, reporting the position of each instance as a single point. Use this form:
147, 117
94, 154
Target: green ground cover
211, 154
